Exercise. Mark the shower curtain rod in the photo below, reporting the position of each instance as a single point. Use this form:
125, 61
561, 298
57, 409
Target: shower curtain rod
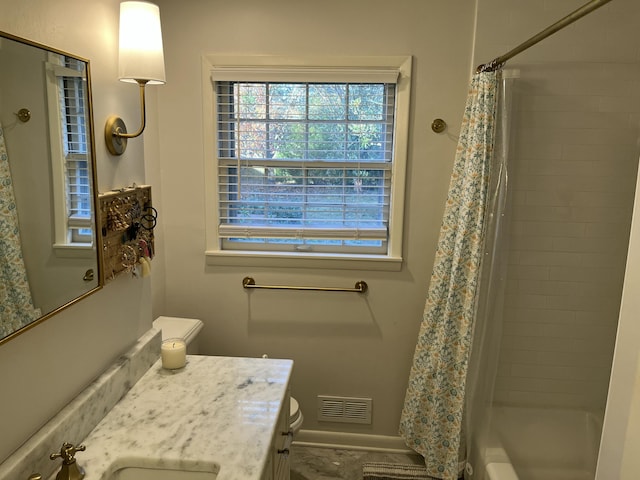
569, 19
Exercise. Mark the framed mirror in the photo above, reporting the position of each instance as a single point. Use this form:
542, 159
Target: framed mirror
48, 229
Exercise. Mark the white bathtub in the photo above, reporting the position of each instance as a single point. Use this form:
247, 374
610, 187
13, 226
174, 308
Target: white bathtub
540, 444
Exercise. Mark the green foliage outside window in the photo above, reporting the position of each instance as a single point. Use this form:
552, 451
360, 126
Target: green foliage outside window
336, 137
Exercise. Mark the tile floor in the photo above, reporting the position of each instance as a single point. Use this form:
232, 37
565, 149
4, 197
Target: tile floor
317, 463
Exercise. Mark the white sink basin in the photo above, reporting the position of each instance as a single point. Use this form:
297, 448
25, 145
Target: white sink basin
153, 473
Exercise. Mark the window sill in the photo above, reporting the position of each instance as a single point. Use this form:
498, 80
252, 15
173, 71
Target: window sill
74, 250
302, 260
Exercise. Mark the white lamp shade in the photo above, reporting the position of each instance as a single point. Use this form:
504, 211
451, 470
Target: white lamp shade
141, 55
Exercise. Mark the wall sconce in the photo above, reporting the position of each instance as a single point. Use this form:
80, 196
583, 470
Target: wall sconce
141, 61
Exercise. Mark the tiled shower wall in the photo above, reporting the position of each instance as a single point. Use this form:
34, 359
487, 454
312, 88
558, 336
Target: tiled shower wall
573, 171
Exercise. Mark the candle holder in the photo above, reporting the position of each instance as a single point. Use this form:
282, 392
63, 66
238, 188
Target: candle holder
173, 352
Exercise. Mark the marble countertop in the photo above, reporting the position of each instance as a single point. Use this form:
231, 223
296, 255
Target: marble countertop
216, 414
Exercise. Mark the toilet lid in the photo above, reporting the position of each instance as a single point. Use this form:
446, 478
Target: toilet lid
175, 327
294, 410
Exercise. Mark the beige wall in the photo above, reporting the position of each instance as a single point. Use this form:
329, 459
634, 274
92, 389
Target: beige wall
42, 369
341, 344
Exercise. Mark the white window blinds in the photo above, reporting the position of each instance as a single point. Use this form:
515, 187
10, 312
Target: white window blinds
304, 74
71, 96
304, 157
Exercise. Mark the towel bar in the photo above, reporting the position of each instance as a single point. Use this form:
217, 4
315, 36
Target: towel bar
361, 287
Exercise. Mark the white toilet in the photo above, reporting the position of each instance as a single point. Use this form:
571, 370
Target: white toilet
188, 329
185, 328
295, 416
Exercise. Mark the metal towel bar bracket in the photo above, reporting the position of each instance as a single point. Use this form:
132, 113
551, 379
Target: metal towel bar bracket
361, 287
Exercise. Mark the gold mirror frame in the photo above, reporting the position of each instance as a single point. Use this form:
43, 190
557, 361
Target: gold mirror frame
24, 115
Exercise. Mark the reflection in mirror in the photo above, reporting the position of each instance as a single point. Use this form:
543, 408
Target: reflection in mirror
48, 254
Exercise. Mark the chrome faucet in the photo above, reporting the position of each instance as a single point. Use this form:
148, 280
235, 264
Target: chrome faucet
70, 469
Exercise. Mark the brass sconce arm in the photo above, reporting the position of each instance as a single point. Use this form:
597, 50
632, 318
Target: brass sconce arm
115, 130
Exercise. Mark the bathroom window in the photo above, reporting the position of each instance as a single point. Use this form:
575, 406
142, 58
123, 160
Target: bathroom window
310, 159
70, 152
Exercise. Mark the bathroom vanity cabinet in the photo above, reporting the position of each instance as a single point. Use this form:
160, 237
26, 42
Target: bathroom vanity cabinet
224, 415
278, 467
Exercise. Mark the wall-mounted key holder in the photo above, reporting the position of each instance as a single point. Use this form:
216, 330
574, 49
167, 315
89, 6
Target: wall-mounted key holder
127, 220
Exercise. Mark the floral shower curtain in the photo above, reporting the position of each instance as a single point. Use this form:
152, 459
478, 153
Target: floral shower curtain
16, 304
431, 422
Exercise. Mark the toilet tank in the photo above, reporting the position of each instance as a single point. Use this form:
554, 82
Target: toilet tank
177, 327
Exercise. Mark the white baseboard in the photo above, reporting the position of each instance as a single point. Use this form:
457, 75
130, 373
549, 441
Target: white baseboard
351, 441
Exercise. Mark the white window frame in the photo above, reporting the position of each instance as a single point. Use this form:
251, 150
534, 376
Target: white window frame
64, 244
327, 67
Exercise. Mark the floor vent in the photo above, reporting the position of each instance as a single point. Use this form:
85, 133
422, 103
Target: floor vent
344, 409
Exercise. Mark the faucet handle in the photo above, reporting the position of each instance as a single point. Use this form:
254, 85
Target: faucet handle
35, 476
67, 453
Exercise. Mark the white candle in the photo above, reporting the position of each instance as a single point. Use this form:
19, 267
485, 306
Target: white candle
174, 353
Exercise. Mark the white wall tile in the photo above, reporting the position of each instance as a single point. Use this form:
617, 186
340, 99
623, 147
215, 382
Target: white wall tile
607, 230
551, 258
568, 244
555, 229
544, 102
584, 274
527, 271
526, 315
609, 153
535, 243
